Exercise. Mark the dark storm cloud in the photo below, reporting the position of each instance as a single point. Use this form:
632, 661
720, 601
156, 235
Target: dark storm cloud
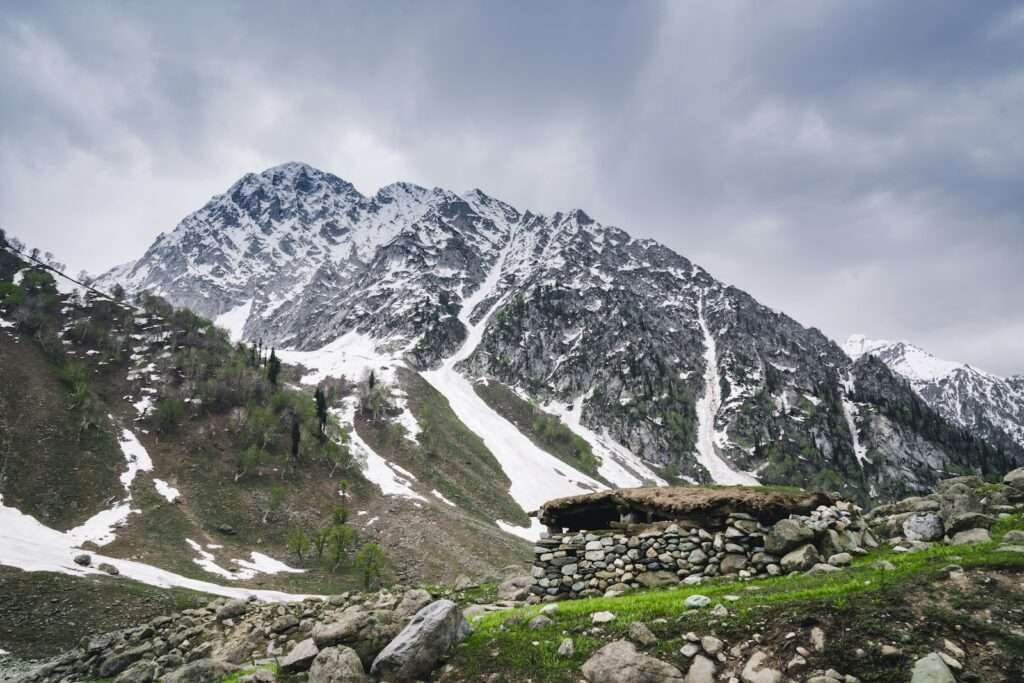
857, 165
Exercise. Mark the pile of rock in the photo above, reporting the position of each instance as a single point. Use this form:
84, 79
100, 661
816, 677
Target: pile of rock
960, 511
394, 636
581, 564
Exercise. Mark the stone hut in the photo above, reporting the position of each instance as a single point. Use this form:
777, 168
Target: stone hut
613, 541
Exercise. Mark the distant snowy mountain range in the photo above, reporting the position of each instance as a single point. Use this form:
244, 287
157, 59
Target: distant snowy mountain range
665, 371
977, 400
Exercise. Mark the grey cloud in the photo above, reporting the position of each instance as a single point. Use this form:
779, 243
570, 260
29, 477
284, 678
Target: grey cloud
854, 164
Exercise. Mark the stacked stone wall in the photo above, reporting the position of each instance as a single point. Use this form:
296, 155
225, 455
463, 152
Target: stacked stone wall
586, 563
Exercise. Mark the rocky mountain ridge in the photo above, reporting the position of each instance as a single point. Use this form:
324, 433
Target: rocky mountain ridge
637, 349
986, 404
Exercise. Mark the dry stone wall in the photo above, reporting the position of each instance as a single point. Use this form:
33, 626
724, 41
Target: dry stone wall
603, 562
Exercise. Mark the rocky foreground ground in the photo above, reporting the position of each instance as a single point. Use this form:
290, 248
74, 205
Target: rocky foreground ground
941, 601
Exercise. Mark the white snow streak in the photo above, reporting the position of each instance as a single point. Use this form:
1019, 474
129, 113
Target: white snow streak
536, 475
166, 490
707, 410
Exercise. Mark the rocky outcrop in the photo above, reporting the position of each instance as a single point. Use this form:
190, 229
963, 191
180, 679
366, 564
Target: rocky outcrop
418, 648
336, 640
621, 662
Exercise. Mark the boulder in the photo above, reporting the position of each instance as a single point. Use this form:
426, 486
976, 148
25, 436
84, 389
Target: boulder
83, 559
787, 534
301, 657
640, 634
1013, 536
233, 609
923, 526
515, 588
365, 631
338, 664
119, 661
702, 670
1015, 478
419, 647
755, 671
143, 671
732, 563
201, 671
621, 662
801, 559
968, 520
566, 648
971, 536
284, 623
413, 601
657, 579
108, 568
931, 669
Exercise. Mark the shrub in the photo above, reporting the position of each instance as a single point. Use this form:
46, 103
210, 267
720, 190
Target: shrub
372, 565
167, 415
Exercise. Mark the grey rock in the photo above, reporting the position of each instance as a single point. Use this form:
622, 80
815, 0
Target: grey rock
142, 671
108, 568
697, 601
414, 600
261, 676
83, 559
923, 526
787, 534
233, 609
931, 669
284, 623
968, 520
621, 662
540, 621
338, 664
702, 670
801, 559
201, 671
971, 536
756, 671
515, 588
419, 647
1013, 536
566, 648
640, 634
841, 560
365, 631
1015, 478
300, 657
657, 579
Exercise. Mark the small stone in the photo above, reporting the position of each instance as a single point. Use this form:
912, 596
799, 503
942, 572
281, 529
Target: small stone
697, 601
640, 634
84, 559
797, 663
711, 645
702, 670
602, 617
970, 536
889, 651
818, 639
108, 568
719, 611
755, 670
841, 560
689, 650
954, 649
540, 621
566, 648
950, 661
931, 669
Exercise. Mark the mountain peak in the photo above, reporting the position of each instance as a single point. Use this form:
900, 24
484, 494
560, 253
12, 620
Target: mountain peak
911, 361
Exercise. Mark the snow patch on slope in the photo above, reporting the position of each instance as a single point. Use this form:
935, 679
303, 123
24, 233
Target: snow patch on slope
707, 409
535, 475
234, 320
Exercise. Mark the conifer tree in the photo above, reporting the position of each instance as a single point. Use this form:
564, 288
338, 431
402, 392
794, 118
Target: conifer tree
273, 368
321, 409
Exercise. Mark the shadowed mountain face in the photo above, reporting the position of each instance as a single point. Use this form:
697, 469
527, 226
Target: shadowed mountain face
627, 341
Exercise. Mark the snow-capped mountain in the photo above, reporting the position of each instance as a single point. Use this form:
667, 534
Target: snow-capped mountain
643, 353
988, 405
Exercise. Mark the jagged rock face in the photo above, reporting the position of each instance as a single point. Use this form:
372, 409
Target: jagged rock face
990, 406
634, 340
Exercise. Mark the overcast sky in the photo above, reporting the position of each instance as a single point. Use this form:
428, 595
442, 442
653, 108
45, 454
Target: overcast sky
858, 165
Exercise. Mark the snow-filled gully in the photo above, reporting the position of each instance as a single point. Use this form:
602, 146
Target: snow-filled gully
707, 410
535, 475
